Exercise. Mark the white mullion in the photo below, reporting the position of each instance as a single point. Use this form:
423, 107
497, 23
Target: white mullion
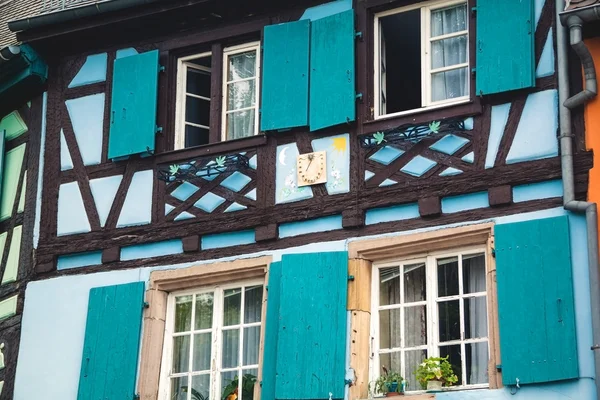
448, 68
461, 316
196, 125
191, 360
241, 342
448, 36
243, 79
218, 323
425, 57
431, 291
240, 109
197, 96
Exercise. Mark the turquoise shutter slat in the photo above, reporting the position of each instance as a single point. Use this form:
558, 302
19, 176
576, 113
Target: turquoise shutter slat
2, 146
311, 343
133, 107
332, 89
535, 301
505, 46
111, 345
271, 330
285, 76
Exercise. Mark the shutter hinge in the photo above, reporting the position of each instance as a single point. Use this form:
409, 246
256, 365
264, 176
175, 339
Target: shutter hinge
146, 304
136, 397
159, 129
499, 367
359, 96
348, 382
473, 11
350, 277
493, 252
358, 35
473, 71
161, 68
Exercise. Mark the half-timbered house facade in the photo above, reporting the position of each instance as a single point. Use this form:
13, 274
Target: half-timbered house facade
282, 200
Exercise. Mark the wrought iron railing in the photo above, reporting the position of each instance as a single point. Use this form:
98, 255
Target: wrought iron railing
59, 5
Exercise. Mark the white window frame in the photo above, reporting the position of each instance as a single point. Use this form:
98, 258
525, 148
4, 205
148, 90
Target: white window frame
183, 64
426, 71
230, 51
217, 339
431, 301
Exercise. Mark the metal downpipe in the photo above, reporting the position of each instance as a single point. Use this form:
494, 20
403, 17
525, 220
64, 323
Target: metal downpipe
590, 209
575, 25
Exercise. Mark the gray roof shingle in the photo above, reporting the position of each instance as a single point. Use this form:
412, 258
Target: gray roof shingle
15, 9
573, 4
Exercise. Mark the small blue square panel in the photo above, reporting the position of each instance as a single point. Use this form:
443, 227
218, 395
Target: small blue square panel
184, 191
236, 181
386, 155
449, 144
209, 202
418, 166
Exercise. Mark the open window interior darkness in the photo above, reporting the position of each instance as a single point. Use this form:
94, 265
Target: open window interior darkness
400, 62
197, 101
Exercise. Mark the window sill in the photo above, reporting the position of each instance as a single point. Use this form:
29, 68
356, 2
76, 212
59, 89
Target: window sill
229, 146
421, 396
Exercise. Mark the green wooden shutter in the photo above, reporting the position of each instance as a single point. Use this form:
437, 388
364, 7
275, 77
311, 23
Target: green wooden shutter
311, 342
2, 145
285, 76
133, 107
332, 89
505, 45
535, 301
271, 330
111, 346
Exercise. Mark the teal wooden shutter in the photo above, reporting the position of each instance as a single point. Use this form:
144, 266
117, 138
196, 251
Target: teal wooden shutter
311, 340
285, 76
111, 346
133, 107
505, 46
2, 147
271, 330
332, 89
535, 301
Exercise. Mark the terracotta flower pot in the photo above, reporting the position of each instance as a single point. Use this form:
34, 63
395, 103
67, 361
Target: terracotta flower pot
434, 386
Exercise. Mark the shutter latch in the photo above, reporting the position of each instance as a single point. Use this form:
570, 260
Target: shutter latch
358, 35
159, 129
359, 96
350, 277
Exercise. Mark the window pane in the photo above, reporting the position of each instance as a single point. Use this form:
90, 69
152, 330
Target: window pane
449, 84
389, 286
414, 283
390, 330
251, 345
447, 276
183, 313
202, 355
197, 111
248, 382
474, 273
242, 66
181, 354
231, 306
477, 363
449, 320
447, 52
454, 358
415, 326
179, 388
204, 311
391, 361
476, 317
201, 387
449, 20
241, 95
253, 304
198, 82
195, 136
229, 383
412, 359
231, 348
240, 124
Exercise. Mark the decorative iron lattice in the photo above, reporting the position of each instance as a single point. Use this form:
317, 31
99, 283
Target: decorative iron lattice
412, 133
203, 168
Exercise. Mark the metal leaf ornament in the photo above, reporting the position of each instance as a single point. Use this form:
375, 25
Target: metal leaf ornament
379, 137
434, 126
220, 161
173, 169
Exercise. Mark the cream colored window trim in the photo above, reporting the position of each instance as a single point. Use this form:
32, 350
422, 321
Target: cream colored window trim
165, 281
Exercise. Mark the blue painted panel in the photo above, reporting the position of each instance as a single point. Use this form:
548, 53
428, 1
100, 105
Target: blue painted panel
327, 9
286, 185
324, 224
251, 194
505, 46
236, 181
92, 71
394, 213
79, 260
137, 208
418, 166
285, 76
536, 135
449, 144
312, 326
104, 191
332, 91
156, 249
87, 117
228, 239
184, 215
537, 332
538, 6
66, 163
112, 338
338, 162
546, 65
450, 172
235, 207
271, 331
534, 191
72, 217
470, 158
386, 155
387, 182
130, 51
465, 202
209, 202
499, 119
184, 191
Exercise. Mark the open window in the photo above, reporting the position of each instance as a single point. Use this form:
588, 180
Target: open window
421, 57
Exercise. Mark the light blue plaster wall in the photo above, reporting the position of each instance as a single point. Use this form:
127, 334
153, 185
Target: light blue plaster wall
327, 9
137, 208
104, 191
499, 119
61, 315
40, 177
537, 7
338, 162
156, 249
130, 51
536, 134
66, 162
465, 202
87, 117
394, 213
534, 191
286, 184
92, 71
324, 224
72, 217
228, 239
546, 64
79, 260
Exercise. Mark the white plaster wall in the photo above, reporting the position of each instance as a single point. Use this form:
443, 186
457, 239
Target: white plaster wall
55, 314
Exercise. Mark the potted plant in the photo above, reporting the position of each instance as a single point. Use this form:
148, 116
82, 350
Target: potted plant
435, 372
390, 383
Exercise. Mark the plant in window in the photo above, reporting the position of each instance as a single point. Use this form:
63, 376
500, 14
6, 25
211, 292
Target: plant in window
230, 392
435, 372
390, 383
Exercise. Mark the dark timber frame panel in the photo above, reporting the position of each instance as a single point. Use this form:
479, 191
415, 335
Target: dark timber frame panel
263, 215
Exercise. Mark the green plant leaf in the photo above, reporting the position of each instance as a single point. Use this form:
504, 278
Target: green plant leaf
434, 126
173, 169
379, 137
220, 161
